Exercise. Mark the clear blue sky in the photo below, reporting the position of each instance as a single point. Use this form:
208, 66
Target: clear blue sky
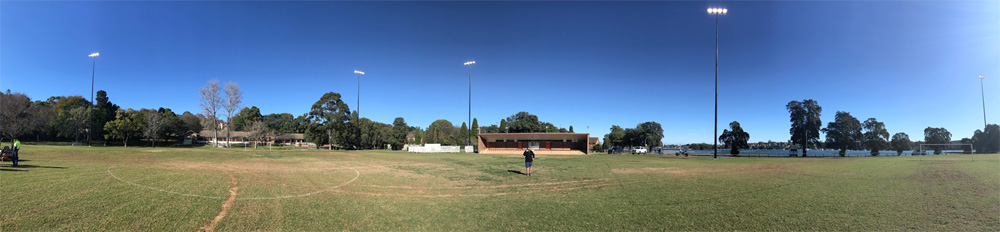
910, 64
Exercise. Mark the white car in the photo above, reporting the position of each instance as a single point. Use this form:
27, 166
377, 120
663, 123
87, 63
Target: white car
640, 150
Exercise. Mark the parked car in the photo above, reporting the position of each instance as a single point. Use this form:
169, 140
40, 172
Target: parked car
793, 152
615, 150
640, 150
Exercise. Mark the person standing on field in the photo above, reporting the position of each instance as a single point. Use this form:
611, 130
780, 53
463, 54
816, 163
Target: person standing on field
529, 156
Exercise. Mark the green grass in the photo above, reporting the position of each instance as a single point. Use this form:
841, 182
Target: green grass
71, 188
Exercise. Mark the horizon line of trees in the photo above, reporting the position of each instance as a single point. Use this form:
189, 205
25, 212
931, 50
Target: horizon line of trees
331, 122
848, 133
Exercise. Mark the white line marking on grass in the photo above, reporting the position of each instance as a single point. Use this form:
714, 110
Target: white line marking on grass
356, 175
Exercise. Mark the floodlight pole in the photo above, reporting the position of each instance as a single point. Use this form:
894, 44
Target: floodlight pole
90, 113
359, 106
715, 136
983, 92
469, 135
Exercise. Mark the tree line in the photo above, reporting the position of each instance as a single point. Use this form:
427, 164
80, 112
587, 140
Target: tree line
646, 134
848, 133
70, 118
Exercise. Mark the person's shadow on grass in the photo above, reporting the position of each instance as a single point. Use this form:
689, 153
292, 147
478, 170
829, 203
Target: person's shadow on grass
518, 172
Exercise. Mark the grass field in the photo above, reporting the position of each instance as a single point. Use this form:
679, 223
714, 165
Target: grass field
187, 189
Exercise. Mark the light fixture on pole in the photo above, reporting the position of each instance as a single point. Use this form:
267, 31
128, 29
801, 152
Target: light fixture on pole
715, 137
90, 113
469, 136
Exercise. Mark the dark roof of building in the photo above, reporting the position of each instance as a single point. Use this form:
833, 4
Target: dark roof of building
537, 133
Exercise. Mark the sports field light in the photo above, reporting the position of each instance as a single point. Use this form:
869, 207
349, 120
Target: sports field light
715, 137
983, 92
469, 139
90, 118
717, 10
359, 72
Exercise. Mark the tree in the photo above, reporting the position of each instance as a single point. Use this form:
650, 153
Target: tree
281, 123
126, 125
524, 122
937, 136
155, 124
174, 127
441, 131
70, 123
258, 132
844, 133
234, 99
966, 149
463, 135
735, 139
503, 126
805, 122
475, 131
876, 137
399, 131
210, 102
246, 117
104, 111
571, 129
42, 114
989, 141
352, 131
191, 122
418, 136
332, 116
616, 137
631, 137
491, 129
317, 134
15, 115
900, 142
650, 134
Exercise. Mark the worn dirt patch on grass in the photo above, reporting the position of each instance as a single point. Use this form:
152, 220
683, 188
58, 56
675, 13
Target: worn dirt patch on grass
225, 206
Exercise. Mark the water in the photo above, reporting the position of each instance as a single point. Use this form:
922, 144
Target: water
817, 153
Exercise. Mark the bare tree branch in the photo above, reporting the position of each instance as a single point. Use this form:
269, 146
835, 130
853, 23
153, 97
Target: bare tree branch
210, 101
234, 99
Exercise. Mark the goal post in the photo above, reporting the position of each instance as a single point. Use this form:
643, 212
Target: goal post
946, 146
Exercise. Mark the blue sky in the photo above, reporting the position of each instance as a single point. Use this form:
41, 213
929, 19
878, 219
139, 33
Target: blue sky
910, 64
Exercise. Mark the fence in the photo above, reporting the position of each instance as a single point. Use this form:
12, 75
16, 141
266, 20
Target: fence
432, 148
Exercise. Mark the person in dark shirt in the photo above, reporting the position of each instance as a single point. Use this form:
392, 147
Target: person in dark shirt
529, 156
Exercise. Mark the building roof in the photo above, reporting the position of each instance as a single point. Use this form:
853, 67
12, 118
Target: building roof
222, 134
538, 133
246, 134
535, 135
290, 136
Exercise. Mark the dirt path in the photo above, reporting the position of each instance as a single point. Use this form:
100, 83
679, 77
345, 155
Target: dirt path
225, 205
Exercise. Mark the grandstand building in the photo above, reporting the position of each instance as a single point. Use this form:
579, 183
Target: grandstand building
541, 143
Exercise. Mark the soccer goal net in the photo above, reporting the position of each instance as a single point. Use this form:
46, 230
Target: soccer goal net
946, 148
